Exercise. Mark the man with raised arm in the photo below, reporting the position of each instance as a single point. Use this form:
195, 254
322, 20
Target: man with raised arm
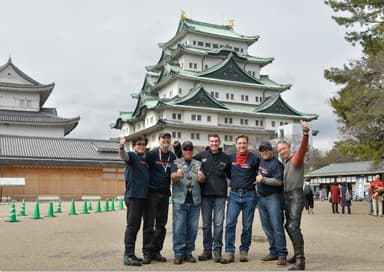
294, 195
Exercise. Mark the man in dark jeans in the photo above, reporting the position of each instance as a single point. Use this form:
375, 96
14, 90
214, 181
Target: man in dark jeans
136, 192
214, 194
156, 209
293, 194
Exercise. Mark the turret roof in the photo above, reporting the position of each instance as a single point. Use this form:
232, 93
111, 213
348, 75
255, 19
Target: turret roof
187, 25
45, 117
14, 80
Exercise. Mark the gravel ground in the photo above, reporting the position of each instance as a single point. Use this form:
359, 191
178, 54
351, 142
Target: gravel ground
87, 242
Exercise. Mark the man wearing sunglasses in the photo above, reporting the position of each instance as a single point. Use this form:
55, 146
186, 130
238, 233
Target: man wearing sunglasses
270, 200
186, 178
136, 193
159, 162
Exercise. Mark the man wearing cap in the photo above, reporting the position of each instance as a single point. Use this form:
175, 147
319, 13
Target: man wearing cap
214, 194
156, 209
293, 194
270, 199
186, 178
242, 198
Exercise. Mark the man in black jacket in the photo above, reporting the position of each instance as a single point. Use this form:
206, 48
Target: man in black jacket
214, 194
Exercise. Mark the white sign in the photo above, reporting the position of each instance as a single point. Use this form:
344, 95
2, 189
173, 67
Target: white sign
12, 181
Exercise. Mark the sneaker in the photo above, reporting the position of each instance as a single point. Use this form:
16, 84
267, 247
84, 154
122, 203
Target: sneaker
147, 259
132, 260
189, 258
178, 259
158, 257
243, 256
282, 261
227, 258
269, 258
205, 256
217, 257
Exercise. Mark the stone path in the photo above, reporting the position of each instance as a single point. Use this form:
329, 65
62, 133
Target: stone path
95, 242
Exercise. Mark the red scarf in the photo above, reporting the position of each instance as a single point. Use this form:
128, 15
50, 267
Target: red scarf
241, 158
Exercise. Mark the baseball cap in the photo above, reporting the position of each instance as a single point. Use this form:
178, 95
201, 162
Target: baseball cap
187, 144
164, 133
265, 146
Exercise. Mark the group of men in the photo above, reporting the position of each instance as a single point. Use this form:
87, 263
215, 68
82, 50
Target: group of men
200, 182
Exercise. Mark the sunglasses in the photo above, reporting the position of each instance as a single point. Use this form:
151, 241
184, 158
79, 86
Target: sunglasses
141, 144
188, 149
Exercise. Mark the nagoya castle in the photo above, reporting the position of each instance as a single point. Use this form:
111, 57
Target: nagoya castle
204, 83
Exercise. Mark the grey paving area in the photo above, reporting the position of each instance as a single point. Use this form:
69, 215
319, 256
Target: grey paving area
95, 242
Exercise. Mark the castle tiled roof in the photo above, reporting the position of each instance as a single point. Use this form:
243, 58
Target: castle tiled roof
23, 150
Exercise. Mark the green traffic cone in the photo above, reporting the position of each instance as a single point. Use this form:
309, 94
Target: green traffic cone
98, 207
50, 210
121, 204
113, 205
12, 213
90, 206
22, 209
58, 208
73, 208
85, 208
170, 200
36, 212
106, 207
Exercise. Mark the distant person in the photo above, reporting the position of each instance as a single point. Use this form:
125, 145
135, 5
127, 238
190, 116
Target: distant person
294, 195
376, 189
186, 176
214, 192
136, 193
346, 198
335, 197
308, 194
323, 193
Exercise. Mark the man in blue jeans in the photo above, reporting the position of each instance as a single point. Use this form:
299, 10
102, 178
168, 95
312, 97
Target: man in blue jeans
186, 176
214, 194
242, 198
270, 200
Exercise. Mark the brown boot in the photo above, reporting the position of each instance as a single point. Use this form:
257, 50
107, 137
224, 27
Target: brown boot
227, 258
300, 259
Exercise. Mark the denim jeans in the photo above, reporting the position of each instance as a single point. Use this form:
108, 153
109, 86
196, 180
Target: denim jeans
245, 203
185, 224
213, 206
272, 220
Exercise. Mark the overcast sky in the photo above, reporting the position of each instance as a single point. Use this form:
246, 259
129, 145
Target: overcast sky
96, 51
